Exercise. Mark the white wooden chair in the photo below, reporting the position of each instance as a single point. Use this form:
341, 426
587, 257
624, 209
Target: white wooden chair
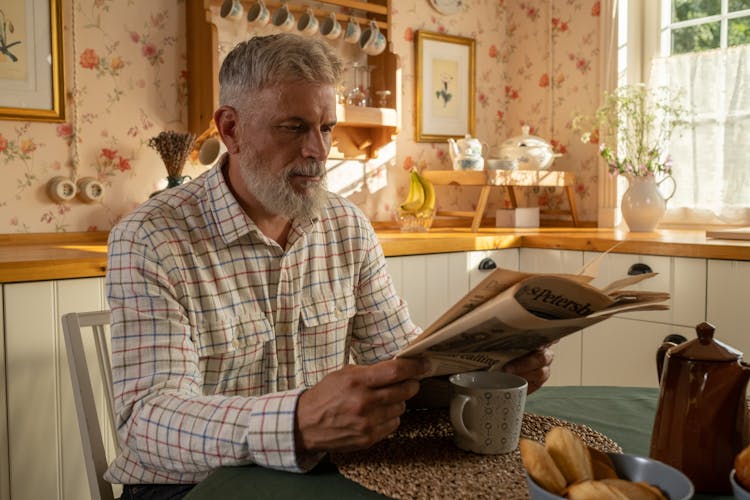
94, 454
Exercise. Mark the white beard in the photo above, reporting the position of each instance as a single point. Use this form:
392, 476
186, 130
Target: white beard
276, 193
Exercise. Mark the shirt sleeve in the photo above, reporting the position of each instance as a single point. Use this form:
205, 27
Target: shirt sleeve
382, 325
163, 417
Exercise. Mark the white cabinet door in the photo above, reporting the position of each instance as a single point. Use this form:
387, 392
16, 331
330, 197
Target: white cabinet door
4, 456
431, 283
684, 278
727, 305
44, 445
622, 352
566, 368
507, 259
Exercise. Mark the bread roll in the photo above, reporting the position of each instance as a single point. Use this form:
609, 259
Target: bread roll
635, 491
541, 467
570, 455
742, 467
601, 464
594, 490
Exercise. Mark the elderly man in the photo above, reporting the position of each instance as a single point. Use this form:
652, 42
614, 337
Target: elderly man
239, 298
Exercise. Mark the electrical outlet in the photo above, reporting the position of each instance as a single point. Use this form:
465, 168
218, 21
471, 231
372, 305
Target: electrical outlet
90, 190
61, 189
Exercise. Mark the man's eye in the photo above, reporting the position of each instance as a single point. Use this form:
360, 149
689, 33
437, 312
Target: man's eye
327, 129
293, 128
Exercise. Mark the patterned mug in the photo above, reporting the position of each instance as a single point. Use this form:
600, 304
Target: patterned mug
486, 411
258, 14
283, 18
308, 23
353, 31
372, 41
231, 9
330, 27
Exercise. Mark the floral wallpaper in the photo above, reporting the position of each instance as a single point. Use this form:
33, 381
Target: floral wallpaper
537, 65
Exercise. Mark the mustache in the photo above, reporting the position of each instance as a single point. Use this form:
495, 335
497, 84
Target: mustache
310, 168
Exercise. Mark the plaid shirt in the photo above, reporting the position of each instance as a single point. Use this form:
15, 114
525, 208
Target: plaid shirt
217, 330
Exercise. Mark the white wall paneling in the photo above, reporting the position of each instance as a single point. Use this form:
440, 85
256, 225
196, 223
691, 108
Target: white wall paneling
622, 352
4, 457
431, 283
44, 445
566, 368
727, 302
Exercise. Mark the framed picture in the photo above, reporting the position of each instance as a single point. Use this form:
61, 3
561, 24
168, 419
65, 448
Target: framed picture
32, 86
445, 86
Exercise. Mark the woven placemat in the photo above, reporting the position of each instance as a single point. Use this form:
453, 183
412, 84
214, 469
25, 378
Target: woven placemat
421, 461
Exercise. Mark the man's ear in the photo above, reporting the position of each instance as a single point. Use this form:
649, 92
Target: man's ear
227, 124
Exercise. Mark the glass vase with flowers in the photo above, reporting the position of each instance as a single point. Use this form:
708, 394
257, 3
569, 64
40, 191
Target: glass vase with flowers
633, 128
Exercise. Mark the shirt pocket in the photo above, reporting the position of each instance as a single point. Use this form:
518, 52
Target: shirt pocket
325, 323
233, 354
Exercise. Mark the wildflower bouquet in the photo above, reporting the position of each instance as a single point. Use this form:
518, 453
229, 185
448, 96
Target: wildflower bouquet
633, 128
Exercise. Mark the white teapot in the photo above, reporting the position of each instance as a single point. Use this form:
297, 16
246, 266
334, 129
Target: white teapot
467, 153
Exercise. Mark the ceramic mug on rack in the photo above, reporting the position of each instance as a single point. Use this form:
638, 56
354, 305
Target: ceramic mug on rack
258, 14
308, 23
353, 31
372, 41
283, 18
330, 27
231, 9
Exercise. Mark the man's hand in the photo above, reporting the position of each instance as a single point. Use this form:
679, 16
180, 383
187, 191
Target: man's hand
357, 406
534, 367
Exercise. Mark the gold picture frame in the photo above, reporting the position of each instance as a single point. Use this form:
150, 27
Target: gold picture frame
445, 87
32, 82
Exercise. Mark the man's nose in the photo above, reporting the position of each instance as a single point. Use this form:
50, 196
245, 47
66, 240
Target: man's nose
317, 145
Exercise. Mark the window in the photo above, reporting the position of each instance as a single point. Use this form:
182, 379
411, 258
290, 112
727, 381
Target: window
703, 48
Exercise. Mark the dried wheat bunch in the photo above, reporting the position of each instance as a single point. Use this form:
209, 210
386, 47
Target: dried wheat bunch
174, 148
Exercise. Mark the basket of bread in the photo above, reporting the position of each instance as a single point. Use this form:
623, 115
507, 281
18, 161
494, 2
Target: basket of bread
564, 467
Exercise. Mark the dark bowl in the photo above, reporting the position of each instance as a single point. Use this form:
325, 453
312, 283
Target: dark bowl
634, 468
740, 493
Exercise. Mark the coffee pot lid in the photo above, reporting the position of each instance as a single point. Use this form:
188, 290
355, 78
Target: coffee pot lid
705, 347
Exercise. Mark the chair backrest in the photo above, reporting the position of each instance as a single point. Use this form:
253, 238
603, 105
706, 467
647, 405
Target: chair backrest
75, 327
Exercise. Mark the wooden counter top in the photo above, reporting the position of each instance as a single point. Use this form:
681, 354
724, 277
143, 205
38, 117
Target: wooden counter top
50, 256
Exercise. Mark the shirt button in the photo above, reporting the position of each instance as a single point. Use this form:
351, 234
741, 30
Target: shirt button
235, 343
339, 313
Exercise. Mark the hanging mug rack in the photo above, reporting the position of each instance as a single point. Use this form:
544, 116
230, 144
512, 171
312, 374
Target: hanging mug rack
367, 128
364, 13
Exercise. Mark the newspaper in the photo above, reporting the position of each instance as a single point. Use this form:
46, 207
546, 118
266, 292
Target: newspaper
511, 313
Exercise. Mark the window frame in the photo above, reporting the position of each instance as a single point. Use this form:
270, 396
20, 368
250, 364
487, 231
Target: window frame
644, 34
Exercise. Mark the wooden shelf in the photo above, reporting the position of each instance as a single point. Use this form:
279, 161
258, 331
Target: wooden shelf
360, 132
503, 178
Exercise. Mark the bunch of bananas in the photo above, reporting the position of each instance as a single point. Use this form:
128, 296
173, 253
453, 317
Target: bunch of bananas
421, 198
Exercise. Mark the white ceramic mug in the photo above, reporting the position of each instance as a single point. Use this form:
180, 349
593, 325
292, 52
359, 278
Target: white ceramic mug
308, 23
231, 9
372, 41
486, 411
353, 31
283, 18
330, 27
258, 14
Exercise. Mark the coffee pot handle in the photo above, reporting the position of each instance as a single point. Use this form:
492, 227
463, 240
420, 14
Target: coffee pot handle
669, 342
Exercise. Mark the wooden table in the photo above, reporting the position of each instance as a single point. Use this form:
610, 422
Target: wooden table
503, 178
624, 414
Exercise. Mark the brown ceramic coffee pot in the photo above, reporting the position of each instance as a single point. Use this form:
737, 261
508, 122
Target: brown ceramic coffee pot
701, 421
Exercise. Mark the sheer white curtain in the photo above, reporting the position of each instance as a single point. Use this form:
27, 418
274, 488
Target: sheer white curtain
712, 159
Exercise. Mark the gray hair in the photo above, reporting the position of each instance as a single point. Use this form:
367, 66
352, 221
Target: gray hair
263, 61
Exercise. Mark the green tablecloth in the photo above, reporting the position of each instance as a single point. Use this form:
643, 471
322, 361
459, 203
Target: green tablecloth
624, 414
